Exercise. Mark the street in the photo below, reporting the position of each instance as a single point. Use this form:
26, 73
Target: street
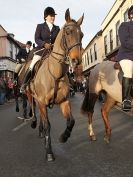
22, 152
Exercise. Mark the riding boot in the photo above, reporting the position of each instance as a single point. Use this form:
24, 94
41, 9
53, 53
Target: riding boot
26, 80
15, 78
126, 88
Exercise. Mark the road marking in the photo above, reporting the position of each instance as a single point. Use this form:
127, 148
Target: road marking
20, 126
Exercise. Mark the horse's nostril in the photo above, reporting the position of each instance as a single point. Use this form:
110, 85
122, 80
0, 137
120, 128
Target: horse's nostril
75, 61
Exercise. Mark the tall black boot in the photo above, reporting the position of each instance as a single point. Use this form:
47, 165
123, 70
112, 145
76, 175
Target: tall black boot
15, 78
26, 80
126, 88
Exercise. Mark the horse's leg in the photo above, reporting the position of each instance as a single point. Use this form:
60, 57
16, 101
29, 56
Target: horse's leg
15, 88
90, 127
45, 126
33, 106
109, 103
66, 110
17, 104
24, 105
92, 98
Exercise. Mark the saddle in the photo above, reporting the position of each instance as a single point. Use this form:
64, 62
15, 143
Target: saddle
117, 66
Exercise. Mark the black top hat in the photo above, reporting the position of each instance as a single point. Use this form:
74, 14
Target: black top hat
130, 11
49, 11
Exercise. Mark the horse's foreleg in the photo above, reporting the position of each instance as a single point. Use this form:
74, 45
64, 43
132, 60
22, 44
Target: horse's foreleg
66, 110
24, 98
45, 126
15, 89
17, 104
32, 109
109, 103
34, 118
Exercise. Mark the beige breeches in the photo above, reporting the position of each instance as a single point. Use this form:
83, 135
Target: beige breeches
127, 67
35, 59
18, 67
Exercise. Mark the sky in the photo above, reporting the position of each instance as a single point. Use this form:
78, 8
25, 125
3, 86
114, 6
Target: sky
21, 17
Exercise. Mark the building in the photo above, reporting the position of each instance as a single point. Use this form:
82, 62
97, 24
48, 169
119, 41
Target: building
106, 44
9, 47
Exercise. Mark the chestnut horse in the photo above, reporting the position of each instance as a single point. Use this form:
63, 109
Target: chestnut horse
103, 77
50, 84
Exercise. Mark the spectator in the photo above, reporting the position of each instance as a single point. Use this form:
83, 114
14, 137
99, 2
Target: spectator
2, 90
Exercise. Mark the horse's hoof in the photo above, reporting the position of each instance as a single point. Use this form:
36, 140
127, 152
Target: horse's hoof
17, 109
41, 135
50, 157
107, 139
93, 138
63, 138
33, 124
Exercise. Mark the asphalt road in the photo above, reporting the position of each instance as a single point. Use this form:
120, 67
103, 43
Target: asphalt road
22, 152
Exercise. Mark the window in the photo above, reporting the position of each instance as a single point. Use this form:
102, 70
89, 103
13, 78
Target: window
105, 44
11, 49
91, 55
95, 52
126, 16
88, 58
117, 36
111, 39
85, 61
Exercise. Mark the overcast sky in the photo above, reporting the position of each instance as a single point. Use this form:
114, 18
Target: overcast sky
21, 17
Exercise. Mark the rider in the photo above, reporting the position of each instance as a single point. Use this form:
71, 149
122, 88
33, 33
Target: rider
125, 58
45, 36
21, 57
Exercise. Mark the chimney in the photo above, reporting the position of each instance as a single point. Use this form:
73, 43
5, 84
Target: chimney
11, 35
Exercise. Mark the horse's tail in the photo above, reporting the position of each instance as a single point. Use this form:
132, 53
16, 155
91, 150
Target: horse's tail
89, 102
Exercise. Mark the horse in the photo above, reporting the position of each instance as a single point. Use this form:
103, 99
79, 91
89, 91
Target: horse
17, 94
50, 85
103, 76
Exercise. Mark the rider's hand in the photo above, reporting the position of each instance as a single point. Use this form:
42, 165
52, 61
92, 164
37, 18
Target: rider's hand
22, 60
47, 46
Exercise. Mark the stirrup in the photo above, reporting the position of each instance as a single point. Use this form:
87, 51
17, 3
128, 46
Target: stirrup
23, 88
15, 83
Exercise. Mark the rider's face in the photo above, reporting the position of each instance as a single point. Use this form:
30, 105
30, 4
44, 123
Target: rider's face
50, 19
28, 46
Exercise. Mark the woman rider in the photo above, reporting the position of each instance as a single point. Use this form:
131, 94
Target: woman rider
125, 58
45, 36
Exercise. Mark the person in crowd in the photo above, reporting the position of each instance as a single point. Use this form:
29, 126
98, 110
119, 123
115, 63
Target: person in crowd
9, 88
2, 90
45, 36
125, 58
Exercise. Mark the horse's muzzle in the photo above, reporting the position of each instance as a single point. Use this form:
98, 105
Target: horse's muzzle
76, 61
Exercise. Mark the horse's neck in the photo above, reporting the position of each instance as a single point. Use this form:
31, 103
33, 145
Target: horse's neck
57, 57
57, 45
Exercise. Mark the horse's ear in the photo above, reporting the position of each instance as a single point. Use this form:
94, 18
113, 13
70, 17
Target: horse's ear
67, 16
80, 20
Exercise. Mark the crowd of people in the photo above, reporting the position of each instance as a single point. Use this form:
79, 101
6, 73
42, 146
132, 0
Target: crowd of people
6, 89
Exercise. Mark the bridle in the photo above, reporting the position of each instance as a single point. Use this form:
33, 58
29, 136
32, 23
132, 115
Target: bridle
65, 58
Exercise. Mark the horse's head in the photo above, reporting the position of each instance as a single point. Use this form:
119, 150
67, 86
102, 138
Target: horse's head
71, 40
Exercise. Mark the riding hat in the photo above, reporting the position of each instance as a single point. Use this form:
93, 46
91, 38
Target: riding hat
130, 11
49, 11
28, 43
